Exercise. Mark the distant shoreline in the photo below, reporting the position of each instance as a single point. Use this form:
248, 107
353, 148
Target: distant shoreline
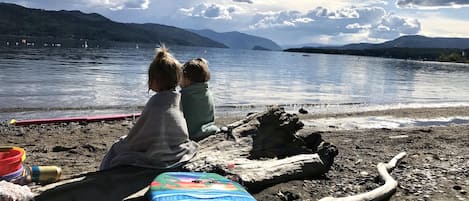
50, 42
417, 54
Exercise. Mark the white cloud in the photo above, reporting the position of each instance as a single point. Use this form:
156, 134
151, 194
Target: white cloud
345, 13
357, 26
321, 12
303, 20
432, 4
121, 4
244, 1
392, 26
209, 11
322, 20
371, 15
372, 22
280, 19
436, 25
307, 5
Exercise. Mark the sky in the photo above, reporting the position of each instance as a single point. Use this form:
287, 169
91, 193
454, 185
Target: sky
288, 22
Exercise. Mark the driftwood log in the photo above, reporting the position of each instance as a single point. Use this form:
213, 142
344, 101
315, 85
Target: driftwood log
385, 191
259, 151
263, 150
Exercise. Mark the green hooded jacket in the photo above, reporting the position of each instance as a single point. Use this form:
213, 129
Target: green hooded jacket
199, 110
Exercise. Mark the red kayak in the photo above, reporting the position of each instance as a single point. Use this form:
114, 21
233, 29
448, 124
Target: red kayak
74, 119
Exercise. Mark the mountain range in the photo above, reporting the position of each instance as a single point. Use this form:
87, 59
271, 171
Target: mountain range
71, 26
405, 47
238, 40
412, 41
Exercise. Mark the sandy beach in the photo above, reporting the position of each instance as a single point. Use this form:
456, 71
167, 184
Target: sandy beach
436, 167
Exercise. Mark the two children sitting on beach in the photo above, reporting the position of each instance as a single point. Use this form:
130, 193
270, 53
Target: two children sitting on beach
162, 136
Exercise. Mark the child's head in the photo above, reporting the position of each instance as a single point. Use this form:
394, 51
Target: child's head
195, 70
164, 72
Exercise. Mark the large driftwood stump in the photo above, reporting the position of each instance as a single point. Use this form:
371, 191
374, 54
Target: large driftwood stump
259, 151
263, 150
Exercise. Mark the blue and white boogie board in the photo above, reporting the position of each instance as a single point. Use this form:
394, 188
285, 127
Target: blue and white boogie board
194, 186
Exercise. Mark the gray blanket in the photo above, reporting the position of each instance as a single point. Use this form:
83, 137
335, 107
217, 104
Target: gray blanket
159, 139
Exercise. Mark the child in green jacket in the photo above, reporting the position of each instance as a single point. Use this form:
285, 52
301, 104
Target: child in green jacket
196, 99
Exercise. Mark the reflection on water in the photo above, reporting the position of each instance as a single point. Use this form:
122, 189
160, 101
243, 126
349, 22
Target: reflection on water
375, 122
115, 79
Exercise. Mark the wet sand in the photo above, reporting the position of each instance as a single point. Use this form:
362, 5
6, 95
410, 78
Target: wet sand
436, 167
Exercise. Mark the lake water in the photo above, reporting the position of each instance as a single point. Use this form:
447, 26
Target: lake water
60, 82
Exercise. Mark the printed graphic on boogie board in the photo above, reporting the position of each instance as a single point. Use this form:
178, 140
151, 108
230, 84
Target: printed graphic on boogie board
196, 186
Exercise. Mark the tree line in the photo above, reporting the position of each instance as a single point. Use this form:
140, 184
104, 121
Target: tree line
423, 54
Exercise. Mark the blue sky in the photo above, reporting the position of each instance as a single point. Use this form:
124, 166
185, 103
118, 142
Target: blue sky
288, 21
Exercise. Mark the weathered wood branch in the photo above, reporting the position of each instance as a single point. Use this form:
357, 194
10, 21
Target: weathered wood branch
383, 192
260, 151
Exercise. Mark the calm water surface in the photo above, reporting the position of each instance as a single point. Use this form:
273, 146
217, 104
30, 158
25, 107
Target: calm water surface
68, 82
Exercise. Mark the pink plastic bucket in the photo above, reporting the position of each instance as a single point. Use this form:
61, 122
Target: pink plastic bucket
11, 160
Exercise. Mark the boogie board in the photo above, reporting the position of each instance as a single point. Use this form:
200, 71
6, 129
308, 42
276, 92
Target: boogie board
196, 186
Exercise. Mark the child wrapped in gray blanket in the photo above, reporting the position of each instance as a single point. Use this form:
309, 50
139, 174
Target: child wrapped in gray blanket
160, 138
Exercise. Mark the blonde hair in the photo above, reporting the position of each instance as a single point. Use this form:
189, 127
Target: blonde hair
196, 70
165, 70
